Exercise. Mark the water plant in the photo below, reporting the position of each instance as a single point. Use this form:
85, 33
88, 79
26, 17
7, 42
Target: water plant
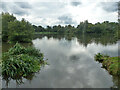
109, 63
20, 61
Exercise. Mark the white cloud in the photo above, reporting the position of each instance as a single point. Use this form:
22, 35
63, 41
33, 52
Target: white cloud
47, 12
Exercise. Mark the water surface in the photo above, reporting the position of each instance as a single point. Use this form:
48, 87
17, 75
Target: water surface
71, 64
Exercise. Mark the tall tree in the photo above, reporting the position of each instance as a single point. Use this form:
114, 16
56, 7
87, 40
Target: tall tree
20, 31
6, 18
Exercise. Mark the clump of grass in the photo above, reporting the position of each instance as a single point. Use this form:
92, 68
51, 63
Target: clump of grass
100, 57
20, 61
109, 63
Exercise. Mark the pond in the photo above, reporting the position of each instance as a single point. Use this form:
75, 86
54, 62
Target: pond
71, 63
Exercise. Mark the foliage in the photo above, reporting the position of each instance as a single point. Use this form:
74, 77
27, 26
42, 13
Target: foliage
23, 31
99, 57
20, 61
16, 31
110, 63
20, 31
85, 27
6, 18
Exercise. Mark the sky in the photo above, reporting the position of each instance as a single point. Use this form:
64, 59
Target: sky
63, 12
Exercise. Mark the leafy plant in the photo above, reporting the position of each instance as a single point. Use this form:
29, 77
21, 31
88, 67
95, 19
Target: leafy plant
99, 57
20, 61
14, 30
109, 63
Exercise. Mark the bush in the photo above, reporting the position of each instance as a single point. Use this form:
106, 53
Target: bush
20, 61
109, 63
14, 30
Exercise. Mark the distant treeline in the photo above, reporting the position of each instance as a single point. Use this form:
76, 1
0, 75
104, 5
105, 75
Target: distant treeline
83, 27
23, 31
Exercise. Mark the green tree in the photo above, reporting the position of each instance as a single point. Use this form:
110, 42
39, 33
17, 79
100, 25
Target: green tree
38, 28
48, 29
20, 31
6, 18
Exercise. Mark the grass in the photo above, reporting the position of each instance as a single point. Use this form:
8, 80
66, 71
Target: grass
112, 64
20, 61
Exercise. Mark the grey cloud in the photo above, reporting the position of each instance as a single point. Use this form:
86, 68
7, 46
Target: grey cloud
3, 5
109, 6
66, 20
119, 6
47, 9
24, 5
51, 7
19, 11
75, 3
0, 6
14, 8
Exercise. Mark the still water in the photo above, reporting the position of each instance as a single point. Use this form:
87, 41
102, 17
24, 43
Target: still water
71, 64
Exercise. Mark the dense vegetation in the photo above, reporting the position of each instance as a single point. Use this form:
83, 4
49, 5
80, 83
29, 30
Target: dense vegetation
22, 31
109, 63
14, 30
20, 61
83, 28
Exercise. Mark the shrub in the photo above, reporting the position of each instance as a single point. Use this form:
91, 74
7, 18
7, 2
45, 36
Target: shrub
110, 63
20, 61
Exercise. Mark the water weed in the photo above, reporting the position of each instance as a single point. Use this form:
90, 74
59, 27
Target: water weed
20, 61
109, 63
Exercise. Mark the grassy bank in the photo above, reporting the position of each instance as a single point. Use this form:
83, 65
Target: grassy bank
20, 61
112, 64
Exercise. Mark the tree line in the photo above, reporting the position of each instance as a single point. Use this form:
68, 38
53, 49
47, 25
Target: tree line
14, 30
83, 27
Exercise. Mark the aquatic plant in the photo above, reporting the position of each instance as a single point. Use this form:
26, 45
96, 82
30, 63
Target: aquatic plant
20, 61
99, 57
109, 63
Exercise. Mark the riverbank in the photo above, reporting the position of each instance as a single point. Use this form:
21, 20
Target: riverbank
111, 64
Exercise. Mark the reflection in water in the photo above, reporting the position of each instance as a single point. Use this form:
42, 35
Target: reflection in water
84, 39
18, 80
72, 63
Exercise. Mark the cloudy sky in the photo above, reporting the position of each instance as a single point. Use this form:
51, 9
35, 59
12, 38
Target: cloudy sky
64, 12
